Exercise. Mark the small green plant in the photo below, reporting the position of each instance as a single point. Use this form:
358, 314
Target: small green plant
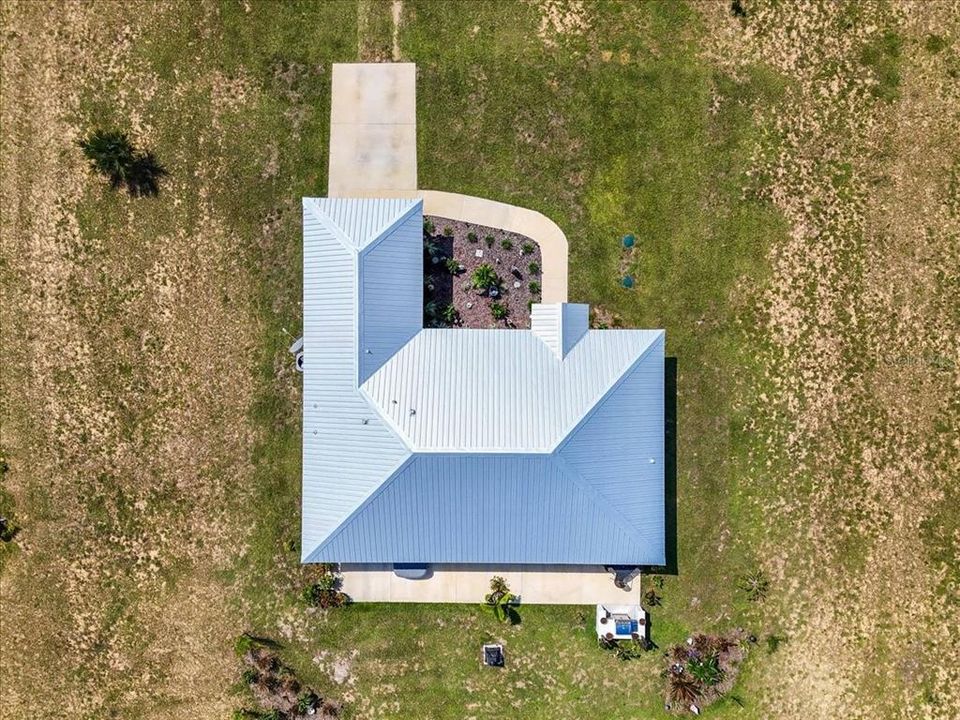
934, 44
706, 670
447, 231
432, 251
774, 642
498, 310
472, 237
489, 241
249, 676
755, 585
652, 598
428, 227
244, 644
630, 649
526, 248
451, 315
485, 278
500, 600
533, 268
8, 529
453, 266
657, 581
506, 244
534, 287
431, 313
306, 702
325, 592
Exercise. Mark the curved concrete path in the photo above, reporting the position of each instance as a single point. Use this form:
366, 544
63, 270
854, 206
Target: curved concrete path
536, 226
373, 153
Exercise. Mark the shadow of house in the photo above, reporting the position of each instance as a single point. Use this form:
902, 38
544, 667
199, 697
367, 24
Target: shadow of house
670, 429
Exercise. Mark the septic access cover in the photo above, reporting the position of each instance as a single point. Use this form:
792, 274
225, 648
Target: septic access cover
493, 655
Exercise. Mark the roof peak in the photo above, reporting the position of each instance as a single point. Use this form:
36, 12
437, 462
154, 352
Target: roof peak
560, 325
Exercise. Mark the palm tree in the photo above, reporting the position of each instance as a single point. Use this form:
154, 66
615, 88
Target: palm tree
111, 154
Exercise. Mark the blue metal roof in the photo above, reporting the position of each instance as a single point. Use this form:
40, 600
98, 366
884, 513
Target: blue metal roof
542, 446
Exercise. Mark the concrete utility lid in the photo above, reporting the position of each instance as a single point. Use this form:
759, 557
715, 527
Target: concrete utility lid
373, 130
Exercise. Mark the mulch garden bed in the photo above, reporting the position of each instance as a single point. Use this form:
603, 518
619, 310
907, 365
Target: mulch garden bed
515, 259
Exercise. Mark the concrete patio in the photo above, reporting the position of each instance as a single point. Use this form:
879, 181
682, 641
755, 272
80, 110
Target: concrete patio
536, 585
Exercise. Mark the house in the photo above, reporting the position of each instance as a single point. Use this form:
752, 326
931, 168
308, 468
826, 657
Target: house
454, 454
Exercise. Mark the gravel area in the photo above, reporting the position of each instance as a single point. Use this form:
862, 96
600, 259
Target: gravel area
509, 254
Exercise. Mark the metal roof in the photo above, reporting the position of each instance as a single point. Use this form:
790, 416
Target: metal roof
466, 446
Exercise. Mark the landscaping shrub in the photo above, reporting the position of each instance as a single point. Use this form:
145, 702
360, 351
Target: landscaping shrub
500, 601
472, 237
506, 244
453, 266
451, 315
703, 669
448, 231
485, 278
755, 585
489, 241
533, 268
429, 227
111, 154
534, 287
526, 248
498, 310
325, 592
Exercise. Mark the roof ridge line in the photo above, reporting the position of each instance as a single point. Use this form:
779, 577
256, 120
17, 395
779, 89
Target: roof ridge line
322, 217
600, 502
381, 234
389, 480
604, 396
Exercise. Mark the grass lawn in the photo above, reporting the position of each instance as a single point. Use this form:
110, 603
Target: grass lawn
791, 178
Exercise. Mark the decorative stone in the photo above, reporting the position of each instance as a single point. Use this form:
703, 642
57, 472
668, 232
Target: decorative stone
516, 283
469, 305
478, 253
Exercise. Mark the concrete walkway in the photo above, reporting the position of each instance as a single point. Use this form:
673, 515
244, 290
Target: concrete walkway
373, 130
536, 226
373, 153
536, 585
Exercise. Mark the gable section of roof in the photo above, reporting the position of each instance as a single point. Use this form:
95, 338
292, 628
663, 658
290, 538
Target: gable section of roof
390, 292
362, 221
497, 390
560, 325
348, 450
618, 448
441, 508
